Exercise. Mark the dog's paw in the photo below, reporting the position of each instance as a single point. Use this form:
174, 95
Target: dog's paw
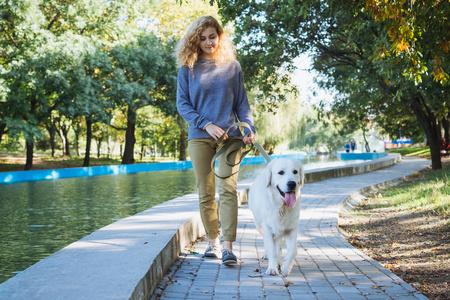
272, 271
286, 269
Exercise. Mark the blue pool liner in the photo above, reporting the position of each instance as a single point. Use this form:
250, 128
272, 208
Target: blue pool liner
21, 176
362, 156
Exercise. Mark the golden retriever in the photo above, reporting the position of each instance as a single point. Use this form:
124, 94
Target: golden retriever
274, 199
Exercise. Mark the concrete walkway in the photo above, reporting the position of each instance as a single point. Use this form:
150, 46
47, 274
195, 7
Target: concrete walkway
326, 267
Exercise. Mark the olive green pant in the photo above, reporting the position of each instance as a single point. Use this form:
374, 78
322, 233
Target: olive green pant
202, 152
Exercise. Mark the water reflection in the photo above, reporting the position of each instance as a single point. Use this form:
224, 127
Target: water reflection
40, 217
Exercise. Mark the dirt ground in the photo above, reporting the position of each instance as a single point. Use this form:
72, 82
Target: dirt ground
413, 245
17, 162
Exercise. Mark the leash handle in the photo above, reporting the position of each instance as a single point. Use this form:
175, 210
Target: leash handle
256, 144
240, 124
227, 150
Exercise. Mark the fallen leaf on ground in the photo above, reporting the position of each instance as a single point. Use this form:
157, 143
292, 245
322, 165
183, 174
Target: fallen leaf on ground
288, 284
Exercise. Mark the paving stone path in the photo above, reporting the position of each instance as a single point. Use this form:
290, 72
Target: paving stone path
326, 266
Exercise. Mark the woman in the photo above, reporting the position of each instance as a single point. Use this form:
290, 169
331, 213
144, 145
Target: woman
211, 97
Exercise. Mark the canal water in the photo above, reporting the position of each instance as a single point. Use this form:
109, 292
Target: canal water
38, 218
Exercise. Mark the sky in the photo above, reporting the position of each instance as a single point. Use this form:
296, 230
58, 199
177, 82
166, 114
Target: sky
303, 77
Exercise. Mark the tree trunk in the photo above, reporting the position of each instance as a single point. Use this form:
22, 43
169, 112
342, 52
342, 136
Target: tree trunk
428, 121
29, 162
109, 145
142, 151
99, 147
52, 141
367, 146
130, 140
2, 131
175, 150
435, 150
446, 127
77, 130
88, 141
163, 149
439, 125
66, 145
183, 147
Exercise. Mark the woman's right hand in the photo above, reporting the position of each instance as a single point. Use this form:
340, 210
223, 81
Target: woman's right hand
214, 131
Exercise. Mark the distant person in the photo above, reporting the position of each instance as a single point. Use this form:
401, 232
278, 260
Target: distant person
211, 97
353, 145
347, 147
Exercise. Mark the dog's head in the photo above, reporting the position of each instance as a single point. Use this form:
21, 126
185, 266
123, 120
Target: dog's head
285, 177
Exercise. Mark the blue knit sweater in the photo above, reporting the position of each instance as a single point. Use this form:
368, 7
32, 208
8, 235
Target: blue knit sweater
212, 94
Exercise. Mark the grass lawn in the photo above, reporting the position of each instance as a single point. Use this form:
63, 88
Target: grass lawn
428, 190
423, 151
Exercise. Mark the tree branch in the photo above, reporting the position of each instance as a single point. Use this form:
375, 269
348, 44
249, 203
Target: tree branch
117, 128
53, 20
10, 37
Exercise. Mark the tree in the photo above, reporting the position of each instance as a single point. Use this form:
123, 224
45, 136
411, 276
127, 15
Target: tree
414, 29
85, 96
281, 124
99, 134
157, 130
25, 101
138, 79
64, 126
32, 85
33, 66
77, 126
50, 126
391, 77
361, 56
168, 21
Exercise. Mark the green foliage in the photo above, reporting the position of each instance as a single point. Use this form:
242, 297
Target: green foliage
81, 59
42, 48
169, 19
157, 128
135, 67
415, 32
268, 35
349, 45
400, 125
294, 126
43, 144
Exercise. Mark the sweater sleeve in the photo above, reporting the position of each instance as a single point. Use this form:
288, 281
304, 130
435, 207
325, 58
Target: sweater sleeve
184, 103
242, 107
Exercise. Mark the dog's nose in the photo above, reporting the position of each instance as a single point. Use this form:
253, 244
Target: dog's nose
291, 185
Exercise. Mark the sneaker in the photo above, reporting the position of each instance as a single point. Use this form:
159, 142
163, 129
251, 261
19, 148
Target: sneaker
213, 251
228, 257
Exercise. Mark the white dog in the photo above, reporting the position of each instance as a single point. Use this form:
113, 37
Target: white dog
274, 199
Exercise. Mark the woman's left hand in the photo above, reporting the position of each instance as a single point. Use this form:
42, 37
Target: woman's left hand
249, 138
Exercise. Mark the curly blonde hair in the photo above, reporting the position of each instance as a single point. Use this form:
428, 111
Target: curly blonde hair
187, 50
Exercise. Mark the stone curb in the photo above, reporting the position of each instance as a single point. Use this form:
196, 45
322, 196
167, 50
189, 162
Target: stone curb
369, 166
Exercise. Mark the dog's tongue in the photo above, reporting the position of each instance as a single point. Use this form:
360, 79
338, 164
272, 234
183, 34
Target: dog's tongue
289, 198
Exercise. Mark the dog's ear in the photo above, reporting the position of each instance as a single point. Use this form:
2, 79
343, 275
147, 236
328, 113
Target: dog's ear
268, 174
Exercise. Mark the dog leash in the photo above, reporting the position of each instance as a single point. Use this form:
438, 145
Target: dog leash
232, 144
